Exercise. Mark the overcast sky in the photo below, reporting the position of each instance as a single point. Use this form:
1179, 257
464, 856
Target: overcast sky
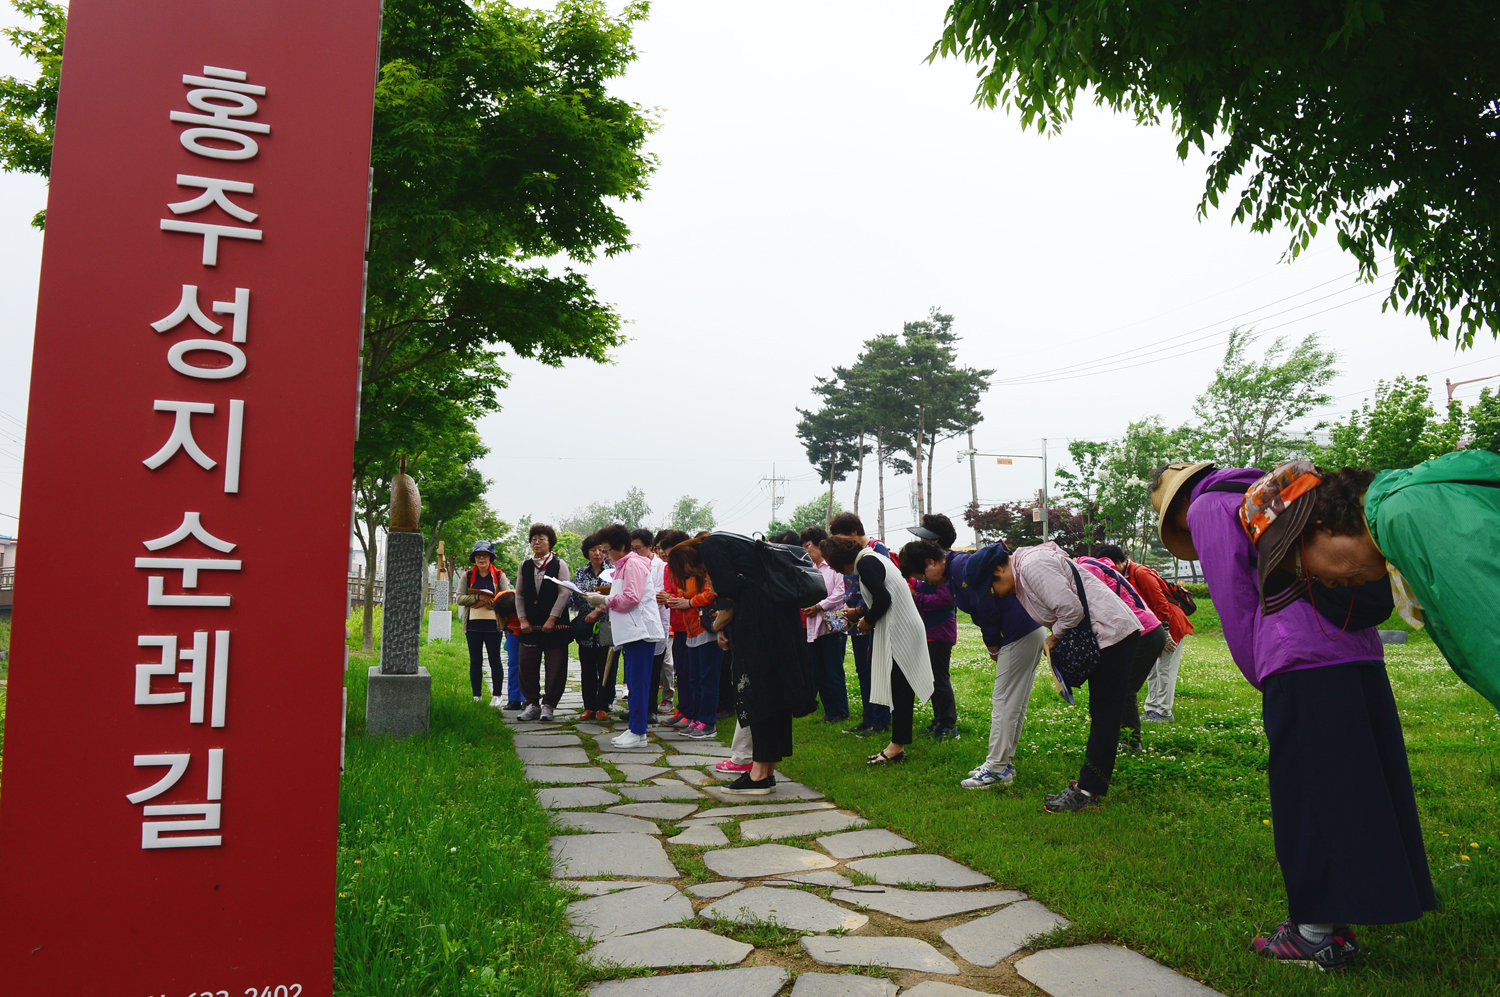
820, 184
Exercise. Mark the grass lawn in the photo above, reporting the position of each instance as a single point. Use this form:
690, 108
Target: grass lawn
1179, 864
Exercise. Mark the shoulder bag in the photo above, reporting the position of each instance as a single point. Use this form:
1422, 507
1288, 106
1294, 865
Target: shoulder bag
1076, 653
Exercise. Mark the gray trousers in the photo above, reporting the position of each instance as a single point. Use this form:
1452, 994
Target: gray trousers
1015, 671
1161, 684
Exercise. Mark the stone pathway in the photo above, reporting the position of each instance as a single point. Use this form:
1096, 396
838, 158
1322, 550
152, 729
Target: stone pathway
787, 895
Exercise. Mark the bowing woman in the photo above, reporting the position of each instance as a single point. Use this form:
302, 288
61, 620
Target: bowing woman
542, 606
900, 669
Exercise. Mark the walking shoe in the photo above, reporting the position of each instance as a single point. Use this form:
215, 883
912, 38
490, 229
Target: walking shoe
1152, 717
678, 721
495, 702
476, 699
513, 705
546, 713
930, 731
530, 713
586, 715
629, 740
700, 731
871, 731
859, 728
730, 765
881, 758
666, 706
945, 734
984, 777
1332, 953
1071, 798
746, 786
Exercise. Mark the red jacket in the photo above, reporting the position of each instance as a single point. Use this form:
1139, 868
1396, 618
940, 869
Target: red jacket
700, 594
1153, 589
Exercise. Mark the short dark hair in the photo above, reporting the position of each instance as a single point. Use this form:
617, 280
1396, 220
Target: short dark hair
846, 524
615, 536
787, 537
915, 555
670, 538
644, 536
542, 530
813, 535
1112, 552
943, 527
840, 553
505, 603
589, 543
1339, 502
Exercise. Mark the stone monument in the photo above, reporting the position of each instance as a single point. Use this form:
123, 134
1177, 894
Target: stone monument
440, 619
399, 698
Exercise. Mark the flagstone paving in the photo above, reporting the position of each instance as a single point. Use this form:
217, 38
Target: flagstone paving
947, 929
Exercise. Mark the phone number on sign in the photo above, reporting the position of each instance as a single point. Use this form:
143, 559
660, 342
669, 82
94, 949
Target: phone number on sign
294, 990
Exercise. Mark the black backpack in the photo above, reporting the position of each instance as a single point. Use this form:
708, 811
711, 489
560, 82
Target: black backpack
790, 574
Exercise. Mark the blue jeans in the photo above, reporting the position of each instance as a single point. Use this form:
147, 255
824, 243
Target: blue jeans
704, 662
638, 656
828, 668
513, 659
873, 714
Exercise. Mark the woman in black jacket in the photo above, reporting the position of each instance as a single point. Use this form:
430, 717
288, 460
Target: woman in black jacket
542, 606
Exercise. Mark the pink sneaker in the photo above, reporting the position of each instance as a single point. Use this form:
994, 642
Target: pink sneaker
730, 765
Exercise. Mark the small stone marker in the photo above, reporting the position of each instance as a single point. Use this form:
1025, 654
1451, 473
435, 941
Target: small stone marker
574, 796
1090, 970
823, 877
561, 773
841, 985
755, 981
651, 794
798, 825
985, 941
927, 905
858, 844
547, 740
794, 909
655, 811
1392, 636
439, 625
891, 952
671, 947
740, 813
604, 823
931, 870
763, 860
703, 836
553, 756
781, 791
708, 891
628, 912
638, 773
599, 887
637, 855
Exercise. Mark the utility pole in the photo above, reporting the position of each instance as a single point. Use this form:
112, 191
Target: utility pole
1008, 458
1453, 384
776, 500
1046, 523
973, 484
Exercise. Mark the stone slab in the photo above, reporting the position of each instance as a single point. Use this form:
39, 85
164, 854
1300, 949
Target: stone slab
561, 773
670, 947
652, 794
841, 985
628, 912
701, 748
781, 791
937, 988
695, 778
823, 877
587, 728
637, 855
753, 981
547, 740
709, 891
986, 940
1090, 970
926, 905
604, 823
606, 743
689, 761
891, 952
794, 909
740, 813
703, 836
398, 706
931, 870
553, 756
798, 825
635, 756
763, 860
858, 844
599, 887
666, 781
574, 797
655, 811
640, 773
695, 822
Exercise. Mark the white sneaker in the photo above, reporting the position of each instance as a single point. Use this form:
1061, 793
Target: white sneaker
629, 740
984, 777
476, 699
496, 702
546, 714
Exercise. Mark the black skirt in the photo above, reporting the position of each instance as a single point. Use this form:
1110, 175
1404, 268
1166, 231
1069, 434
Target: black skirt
1344, 814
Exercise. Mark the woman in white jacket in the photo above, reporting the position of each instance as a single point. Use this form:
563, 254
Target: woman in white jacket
900, 670
635, 621
1047, 583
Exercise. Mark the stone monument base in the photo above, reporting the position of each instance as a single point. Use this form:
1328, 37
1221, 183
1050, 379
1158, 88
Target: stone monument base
439, 625
398, 706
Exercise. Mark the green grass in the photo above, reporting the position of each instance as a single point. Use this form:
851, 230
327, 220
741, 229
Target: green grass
443, 871
1179, 864
4, 646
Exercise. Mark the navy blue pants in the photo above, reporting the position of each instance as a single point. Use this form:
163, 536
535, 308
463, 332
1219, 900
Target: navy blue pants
638, 656
873, 714
704, 662
828, 667
513, 658
479, 642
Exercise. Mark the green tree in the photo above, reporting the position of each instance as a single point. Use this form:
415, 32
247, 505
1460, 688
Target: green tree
478, 522
691, 516
874, 384
1401, 429
1246, 412
28, 110
1081, 487
1124, 481
813, 512
831, 436
1484, 422
1379, 116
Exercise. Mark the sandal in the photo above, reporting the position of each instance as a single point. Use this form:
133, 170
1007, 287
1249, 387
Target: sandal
881, 758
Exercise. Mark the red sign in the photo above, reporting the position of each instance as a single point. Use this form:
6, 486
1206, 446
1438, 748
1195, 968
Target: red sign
169, 801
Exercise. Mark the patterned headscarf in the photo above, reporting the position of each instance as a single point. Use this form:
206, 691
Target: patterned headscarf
1274, 513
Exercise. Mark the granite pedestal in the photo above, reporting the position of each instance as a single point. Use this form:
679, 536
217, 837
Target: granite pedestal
398, 706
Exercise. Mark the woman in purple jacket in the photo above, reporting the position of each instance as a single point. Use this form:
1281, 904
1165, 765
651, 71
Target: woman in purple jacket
1345, 818
925, 566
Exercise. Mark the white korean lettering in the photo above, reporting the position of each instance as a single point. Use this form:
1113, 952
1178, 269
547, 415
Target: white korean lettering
221, 685
240, 309
225, 100
214, 192
179, 351
187, 308
211, 235
167, 666
196, 679
192, 526
232, 450
207, 814
197, 676
178, 763
182, 434
189, 566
